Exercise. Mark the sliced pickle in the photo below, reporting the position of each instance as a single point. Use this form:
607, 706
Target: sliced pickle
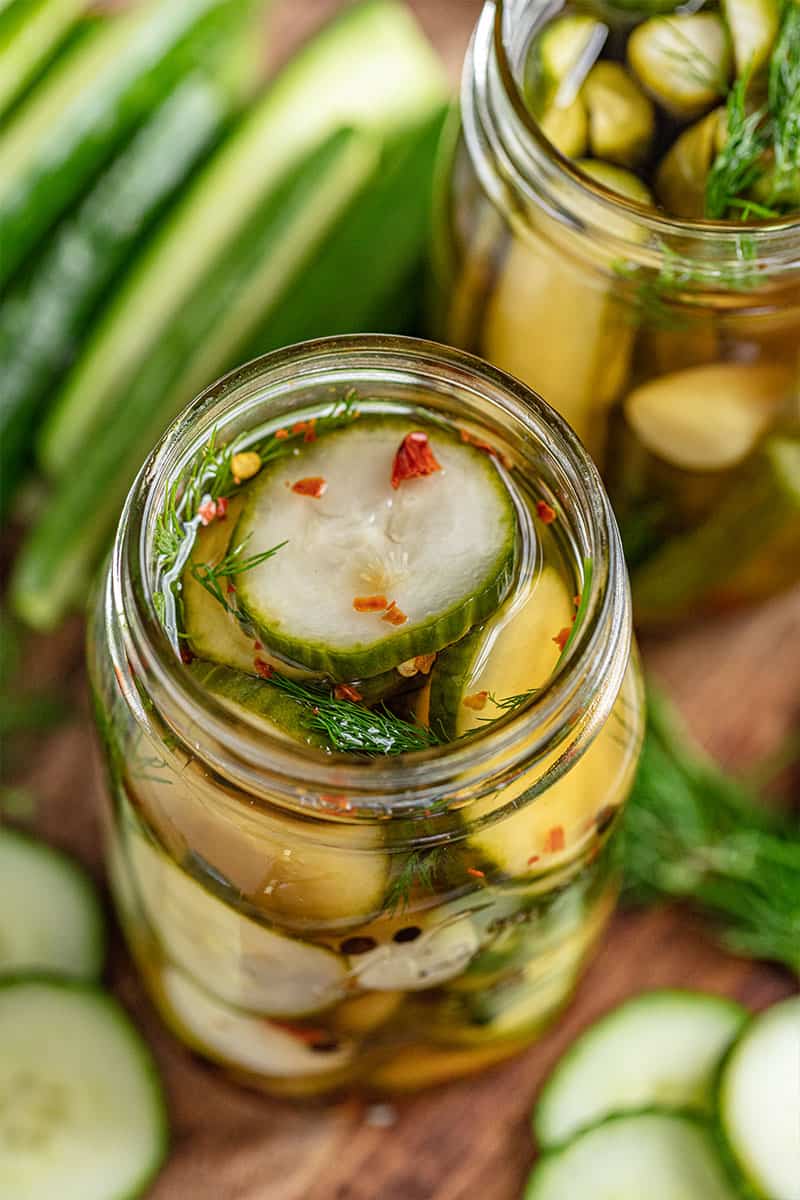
514, 1008
439, 549
758, 522
246, 1042
753, 26
567, 127
562, 57
360, 1015
257, 701
438, 954
512, 655
616, 179
421, 1065
684, 61
621, 116
683, 171
240, 961
708, 418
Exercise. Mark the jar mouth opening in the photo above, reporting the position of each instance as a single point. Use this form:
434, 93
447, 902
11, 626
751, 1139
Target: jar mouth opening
725, 233
410, 781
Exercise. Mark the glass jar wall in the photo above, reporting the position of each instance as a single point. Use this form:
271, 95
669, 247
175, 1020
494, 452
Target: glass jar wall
314, 920
671, 346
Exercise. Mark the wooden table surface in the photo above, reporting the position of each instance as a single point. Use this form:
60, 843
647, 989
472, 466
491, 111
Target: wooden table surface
738, 683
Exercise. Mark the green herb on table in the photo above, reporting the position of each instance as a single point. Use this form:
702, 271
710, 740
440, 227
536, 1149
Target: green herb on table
692, 833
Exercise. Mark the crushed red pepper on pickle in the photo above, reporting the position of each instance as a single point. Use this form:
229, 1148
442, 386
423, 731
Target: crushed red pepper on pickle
414, 459
313, 486
562, 637
545, 513
555, 840
343, 691
476, 701
370, 604
263, 668
394, 615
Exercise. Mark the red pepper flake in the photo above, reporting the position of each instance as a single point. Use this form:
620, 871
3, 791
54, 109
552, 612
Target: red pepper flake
476, 874
230, 589
534, 858
186, 654
257, 646
309, 1037
264, 669
310, 434
343, 691
476, 701
555, 840
562, 637
545, 513
207, 511
339, 803
313, 486
471, 440
368, 604
576, 600
394, 615
414, 459
222, 507
281, 435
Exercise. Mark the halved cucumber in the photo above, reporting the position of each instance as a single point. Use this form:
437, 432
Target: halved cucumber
512, 655
233, 957
684, 61
708, 418
621, 117
661, 1048
30, 32
753, 26
50, 913
440, 549
663, 1156
83, 1116
241, 1041
759, 1102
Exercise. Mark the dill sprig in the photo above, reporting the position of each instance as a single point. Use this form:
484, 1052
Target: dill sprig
692, 833
784, 101
351, 727
418, 874
738, 163
232, 565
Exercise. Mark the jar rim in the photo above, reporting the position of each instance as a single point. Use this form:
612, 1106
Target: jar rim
408, 782
490, 47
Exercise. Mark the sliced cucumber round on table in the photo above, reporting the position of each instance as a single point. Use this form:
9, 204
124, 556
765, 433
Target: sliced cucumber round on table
621, 117
434, 553
684, 61
244, 1041
663, 1156
50, 913
83, 1115
708, 418
660, 1049
759, 1102
241, 961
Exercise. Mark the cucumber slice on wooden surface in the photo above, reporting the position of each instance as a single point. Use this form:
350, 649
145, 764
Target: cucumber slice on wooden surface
241, 1041
684, 61
96, 94
663, 1156
621, 117
753, 26
563, 55
240, 961
660, 1049
567, 127
440, 548
83, 1115
512, 655
683, 171
755, 526
50, 914
393, 80
29, 34
708, 418
45, 316
759, 1102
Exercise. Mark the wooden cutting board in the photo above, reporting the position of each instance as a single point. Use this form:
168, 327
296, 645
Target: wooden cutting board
738, 683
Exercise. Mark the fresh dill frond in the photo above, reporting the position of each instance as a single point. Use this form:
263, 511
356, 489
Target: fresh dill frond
418, 874
350, 727
739, 163
232, 565
784, 103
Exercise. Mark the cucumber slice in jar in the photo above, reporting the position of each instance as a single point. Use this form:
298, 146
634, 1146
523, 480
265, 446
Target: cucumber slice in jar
512, 655
439, 550
256, 700
567, 127
237, 959
83, 1115
50, 917
563, 55
708, 418
684, 61
437, 955
238, 1040
753, 26
621, 116
664, 1156
759, 1102
661, 1048
683, 171
616, 179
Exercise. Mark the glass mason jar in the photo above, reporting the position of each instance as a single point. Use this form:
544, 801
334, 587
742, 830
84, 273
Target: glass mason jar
671, 346
311, 921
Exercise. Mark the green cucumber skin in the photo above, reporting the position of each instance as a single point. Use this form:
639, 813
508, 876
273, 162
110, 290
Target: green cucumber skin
138, 1046
450, 671
64, 863
171, 39
41, 26
258, 697
54, 566
43, 319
